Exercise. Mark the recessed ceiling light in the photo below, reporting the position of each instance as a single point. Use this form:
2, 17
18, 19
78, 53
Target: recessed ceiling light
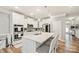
50, 15
38, 9
31, 14
70, 18
16, 7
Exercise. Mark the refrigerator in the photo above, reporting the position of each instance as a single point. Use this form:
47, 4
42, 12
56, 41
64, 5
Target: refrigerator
46, 27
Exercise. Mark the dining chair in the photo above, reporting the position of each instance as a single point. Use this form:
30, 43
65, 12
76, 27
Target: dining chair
48, 49
53, 44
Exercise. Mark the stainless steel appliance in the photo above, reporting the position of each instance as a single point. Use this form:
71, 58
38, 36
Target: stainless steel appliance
18, 32
46, 27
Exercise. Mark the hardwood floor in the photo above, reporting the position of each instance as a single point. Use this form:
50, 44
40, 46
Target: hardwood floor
10, 50
67, 46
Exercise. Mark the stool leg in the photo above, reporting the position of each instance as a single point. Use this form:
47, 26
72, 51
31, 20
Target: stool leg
55, 50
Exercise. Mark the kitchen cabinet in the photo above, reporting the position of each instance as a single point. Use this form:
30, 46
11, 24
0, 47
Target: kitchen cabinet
32, 22
18, 20
45, 21
2, 43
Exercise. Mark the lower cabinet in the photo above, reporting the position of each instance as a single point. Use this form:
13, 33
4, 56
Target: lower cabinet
17, 44
2, 44
29, 46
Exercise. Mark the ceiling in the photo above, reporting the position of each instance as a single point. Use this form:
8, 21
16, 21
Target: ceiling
44, 11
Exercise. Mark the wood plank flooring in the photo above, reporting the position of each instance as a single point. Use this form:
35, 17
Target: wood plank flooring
10, 50
71, 47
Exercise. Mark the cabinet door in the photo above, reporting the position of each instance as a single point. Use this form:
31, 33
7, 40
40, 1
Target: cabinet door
4, 23
18, 18
31, 21
35, 24
2, 44
29, 46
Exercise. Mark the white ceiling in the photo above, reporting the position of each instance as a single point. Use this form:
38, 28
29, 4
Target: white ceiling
44, 11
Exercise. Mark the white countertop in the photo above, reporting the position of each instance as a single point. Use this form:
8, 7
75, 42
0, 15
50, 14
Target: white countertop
38, 38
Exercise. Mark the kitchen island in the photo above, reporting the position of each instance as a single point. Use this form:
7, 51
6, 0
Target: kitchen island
31, 40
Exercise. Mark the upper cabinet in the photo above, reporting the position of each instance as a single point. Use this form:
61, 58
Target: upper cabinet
18, 18
45, 21
31, 22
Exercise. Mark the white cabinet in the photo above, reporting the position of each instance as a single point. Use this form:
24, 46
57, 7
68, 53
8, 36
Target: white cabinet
4, 23
17, 19
29, 46
2, 44
45, 21
35, 22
